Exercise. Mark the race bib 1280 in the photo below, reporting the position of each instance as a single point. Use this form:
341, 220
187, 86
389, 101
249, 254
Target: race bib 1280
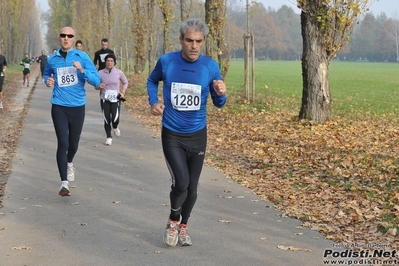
186, 97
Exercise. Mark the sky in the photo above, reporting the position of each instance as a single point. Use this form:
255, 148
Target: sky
390, 7
43, 5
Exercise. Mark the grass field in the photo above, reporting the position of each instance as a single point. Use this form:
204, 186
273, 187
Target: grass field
356, 87
12, 72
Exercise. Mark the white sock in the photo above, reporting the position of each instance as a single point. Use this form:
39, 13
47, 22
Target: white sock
70, 164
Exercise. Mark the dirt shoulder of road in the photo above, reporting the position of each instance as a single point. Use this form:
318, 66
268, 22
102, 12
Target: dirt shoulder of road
16, 98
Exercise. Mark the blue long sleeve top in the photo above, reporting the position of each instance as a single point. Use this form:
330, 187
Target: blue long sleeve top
69, 90
186, 87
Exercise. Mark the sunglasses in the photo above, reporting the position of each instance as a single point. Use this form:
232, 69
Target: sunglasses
70, 36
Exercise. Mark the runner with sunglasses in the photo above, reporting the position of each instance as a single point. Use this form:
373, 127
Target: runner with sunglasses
67, 70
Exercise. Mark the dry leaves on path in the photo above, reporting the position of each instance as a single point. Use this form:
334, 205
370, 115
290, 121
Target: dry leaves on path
340, 178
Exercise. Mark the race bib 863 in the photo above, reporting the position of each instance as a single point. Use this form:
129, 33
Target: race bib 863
67, 76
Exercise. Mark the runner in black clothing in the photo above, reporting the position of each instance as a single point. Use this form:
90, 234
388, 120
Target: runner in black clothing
43, 61
3, 67
99, 56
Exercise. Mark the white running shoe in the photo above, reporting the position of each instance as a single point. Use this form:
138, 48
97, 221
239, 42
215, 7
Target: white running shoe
184, 239
170, 235
71, 173
64, 189
1, 105
108, 142
117, 132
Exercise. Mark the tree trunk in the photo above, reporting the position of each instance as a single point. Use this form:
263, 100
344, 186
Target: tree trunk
110, 19
210, 14
151, 34
140, 31
167, 14
316, 96
215, 18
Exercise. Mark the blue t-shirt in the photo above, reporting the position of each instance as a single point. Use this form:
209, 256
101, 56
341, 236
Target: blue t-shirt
186, 86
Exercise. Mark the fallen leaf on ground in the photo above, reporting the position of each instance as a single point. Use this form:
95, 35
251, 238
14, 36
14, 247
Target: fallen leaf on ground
290, 248
21, 248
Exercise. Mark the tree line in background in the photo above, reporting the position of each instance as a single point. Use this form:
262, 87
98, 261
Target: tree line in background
136, 27
19, 29
278, 35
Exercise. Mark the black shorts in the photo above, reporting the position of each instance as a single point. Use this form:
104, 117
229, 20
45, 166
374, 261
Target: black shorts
1, 83
26, 71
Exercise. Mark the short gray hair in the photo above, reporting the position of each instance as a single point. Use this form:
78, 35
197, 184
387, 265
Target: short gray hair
194, 24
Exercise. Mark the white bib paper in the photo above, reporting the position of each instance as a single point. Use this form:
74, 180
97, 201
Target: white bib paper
67, 76
186, 97
111, 95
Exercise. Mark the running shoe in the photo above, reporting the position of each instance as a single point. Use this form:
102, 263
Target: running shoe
117, 132
170, 235
1, 105
71, 173
184, 239
64, 189
108, 142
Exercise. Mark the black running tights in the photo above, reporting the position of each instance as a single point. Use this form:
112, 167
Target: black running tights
111, 114
184, 155
68, 125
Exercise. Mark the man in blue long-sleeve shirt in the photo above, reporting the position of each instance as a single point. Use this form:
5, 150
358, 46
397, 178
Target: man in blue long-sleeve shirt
188, 79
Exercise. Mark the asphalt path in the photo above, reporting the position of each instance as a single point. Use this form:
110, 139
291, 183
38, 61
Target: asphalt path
119, 205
